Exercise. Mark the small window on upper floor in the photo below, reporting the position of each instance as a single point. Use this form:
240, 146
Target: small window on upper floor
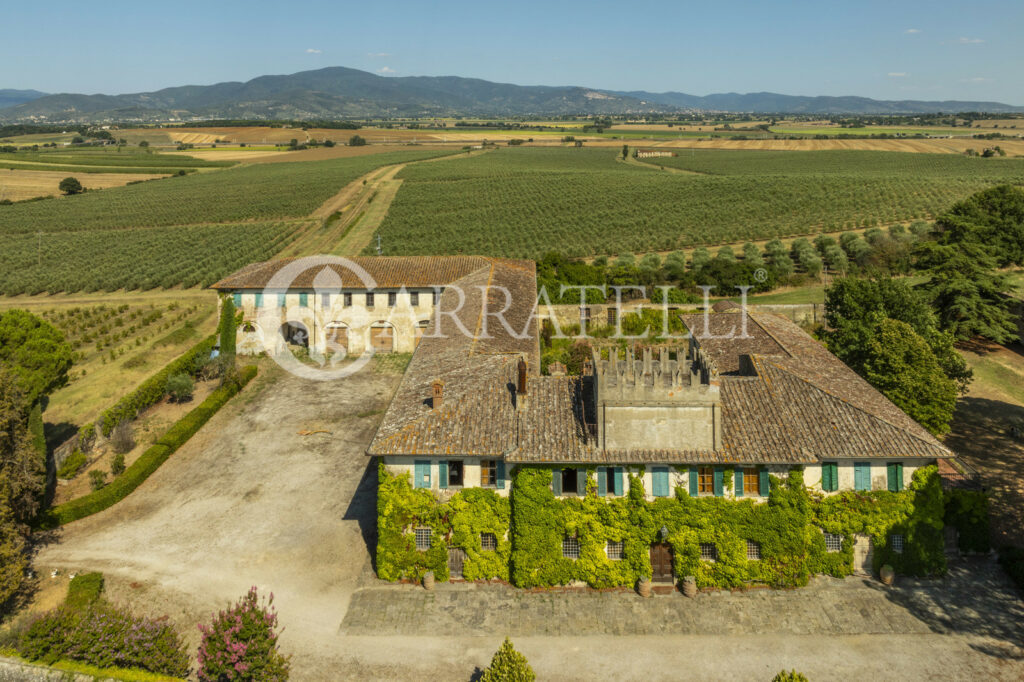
369, 299
414, 298
392, 299
347, 299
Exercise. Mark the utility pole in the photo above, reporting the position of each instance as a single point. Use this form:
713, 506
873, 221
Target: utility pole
379, 249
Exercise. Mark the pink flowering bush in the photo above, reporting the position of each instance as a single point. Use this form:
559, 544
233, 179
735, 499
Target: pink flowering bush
241, 643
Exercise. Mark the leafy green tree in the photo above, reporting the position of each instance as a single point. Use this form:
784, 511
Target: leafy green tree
625, 151
751, 254
35, 351
791, 676
853, 306
356, 141
12, 550
725, 253
899, 363
228, 327
967, 291
508, 665
70, 186
675, 266
993, 217
180, 387
700, 257
22, 471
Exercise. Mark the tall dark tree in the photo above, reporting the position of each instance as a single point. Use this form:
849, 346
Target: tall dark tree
967, 291
994, 217
22, 472
70, 186
35, 351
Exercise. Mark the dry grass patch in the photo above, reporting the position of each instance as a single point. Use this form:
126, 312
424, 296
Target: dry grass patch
18, 185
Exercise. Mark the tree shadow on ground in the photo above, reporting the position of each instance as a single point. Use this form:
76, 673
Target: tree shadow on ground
981, 436
976, 599
363, 509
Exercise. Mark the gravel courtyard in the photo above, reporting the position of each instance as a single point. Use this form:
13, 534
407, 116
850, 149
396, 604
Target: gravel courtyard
249, 501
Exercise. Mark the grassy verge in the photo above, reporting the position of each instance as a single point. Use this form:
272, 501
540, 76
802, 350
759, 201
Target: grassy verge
75, 668
148, 462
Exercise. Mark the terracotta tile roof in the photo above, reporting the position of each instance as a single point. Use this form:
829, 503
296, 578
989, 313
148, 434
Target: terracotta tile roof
389, 272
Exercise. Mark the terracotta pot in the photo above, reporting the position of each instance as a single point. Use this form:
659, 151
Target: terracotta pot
887, 574
644, 587
428, 580
689, 587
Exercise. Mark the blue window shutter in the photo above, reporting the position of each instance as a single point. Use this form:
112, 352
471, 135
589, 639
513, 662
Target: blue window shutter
304, 299
556, 482
236, 298
282, 300
501, 474
618, 481
762, 483
693, 481
862, 475
738, 483
719, 481
660, 481
442, 474
602, 481
259, 299
421, 470
581, 482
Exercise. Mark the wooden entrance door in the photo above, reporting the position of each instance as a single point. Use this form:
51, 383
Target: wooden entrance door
862, 555
456, 560
382, 339
661, 563
337, 339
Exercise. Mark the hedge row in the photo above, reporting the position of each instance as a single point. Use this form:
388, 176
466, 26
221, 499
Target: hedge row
149, 461
153, 389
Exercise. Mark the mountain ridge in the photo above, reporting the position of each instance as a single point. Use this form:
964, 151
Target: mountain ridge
339, 92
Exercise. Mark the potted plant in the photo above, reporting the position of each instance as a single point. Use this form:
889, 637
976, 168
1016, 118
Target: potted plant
887, 574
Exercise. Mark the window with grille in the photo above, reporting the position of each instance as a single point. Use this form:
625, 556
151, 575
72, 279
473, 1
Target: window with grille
614, 550
369, 299
348, 299
571, 548
488, 542
896, 542
706, 480
833, 542
613, 316
585, 314
488, 472
708, 552
414, 298
423, 539
392, 299
753, 550
750, 482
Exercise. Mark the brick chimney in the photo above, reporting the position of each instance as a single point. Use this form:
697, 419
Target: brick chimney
437, 395
521, 378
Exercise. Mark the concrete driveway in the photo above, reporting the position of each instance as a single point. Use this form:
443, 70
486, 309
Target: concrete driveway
248, 501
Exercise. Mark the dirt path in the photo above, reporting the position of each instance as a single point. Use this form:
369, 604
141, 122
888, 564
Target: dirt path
371, 214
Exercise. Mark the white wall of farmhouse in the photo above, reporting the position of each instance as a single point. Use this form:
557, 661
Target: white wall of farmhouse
339, 321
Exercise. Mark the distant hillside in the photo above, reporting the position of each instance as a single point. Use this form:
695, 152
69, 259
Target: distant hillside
338, 92
8, 98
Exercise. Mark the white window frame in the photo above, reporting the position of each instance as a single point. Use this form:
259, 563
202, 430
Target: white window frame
614, 547
753, 550
419, 531
570, 546
706, 554
837, 538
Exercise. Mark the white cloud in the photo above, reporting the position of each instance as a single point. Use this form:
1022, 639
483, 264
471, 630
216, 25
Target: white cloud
385, 69
976, 79
969, 41
898, 74
912, 30
378, 54
313, 50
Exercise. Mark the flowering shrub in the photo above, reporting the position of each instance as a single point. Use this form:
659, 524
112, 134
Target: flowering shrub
241, 643
106, 636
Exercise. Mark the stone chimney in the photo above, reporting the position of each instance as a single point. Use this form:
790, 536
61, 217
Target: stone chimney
521, 378
437, 395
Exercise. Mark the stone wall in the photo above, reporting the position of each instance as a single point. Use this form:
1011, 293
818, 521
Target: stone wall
12, 670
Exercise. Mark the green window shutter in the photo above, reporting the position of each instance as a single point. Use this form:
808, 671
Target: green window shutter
236, 298
556, 482
421, 470
762, 483
304, 299
862, 475
282, 300
259, 299
617, 481
501, 474
602, 481
693, 481
899, 476
719, 481
581, 482
660, 480
830, 476
738, 483
442, 474
894, 474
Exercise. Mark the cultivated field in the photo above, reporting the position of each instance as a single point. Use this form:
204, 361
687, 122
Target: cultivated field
525, 202
18, 185
188, 230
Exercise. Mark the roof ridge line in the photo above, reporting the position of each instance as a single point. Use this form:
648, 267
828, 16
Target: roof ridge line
861, 409
483, 307
770, 335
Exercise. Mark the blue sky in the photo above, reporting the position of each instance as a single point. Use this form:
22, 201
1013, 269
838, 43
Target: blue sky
887, 50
